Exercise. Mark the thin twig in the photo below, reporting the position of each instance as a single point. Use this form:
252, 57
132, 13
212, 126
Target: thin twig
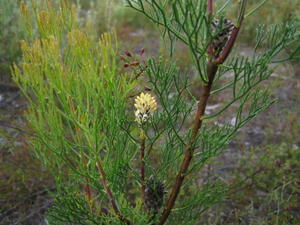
31, 196
142, 158
34, 213
210, 8
88, 193
110, 194
6, 124
140, 72
239, 186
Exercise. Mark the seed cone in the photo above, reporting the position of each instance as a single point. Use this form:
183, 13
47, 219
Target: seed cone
223, 29
154, 195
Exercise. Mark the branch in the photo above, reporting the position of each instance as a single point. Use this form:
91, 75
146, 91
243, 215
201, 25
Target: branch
212, 69
229, 45
210, 8
204, 95
142, 158
110, 194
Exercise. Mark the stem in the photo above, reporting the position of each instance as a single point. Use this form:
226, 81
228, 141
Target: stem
228, 47
204, 95
210, 8
89, 195
212, 68
110, 194
88, 192
140, 72
142, 158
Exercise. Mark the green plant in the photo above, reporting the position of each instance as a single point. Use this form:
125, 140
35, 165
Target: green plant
114, 164
274, 11
210, 43
267, 179
10, 34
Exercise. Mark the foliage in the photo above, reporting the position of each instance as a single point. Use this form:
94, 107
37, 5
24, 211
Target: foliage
114, 14
268, 178
105, 163
187, 23
73, 84
11, 33
274, 11
23, 182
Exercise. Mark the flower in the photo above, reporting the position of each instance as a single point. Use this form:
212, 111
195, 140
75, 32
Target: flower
145, 105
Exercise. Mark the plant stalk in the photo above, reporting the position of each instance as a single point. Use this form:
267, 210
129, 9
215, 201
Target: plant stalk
229, 45
210, 7
88, 193
203, 98
142, 158
212, 68
110, 194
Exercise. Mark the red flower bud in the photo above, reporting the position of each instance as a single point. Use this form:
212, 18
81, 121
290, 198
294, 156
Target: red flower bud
128, 53
141, 52
126, 65
122, 57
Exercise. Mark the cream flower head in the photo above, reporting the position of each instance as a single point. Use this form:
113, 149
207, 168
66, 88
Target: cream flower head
145, 105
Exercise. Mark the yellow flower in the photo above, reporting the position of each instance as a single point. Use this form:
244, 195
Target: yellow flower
145, 105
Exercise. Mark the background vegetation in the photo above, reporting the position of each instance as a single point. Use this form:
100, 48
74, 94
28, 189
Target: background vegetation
264, 163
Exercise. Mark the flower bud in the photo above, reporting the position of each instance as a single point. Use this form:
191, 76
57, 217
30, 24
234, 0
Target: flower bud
128, 53
145, 105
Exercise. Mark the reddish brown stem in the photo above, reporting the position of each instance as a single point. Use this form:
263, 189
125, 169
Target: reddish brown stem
88, 191
228, 47
212, 69
210, 8
110, 194
204, 95
142, 158
140, 72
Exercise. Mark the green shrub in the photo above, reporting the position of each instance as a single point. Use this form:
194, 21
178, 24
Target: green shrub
267, 179
116, 161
